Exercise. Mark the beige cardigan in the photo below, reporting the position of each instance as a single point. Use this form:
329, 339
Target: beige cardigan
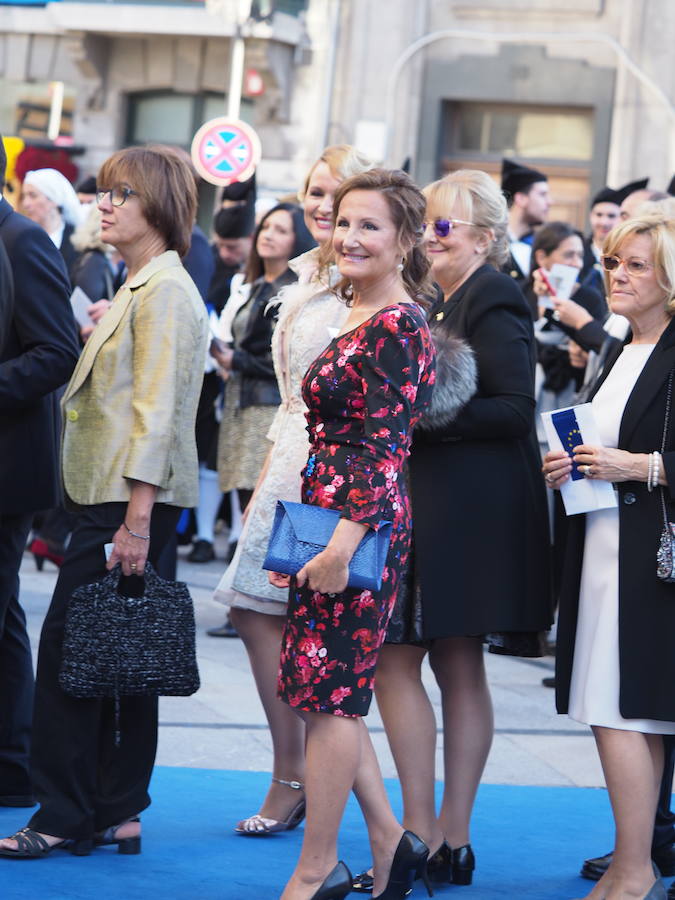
129, 409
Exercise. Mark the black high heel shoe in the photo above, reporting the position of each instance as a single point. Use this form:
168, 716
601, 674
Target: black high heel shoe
336, 886
448, 866
128, 846
409, 863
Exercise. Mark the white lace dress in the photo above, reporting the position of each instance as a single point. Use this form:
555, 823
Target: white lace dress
309, 317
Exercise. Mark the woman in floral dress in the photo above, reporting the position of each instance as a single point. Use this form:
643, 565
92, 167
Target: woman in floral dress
309, 315
364, 394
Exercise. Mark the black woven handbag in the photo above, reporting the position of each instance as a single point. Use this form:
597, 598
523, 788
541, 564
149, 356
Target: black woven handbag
118, 646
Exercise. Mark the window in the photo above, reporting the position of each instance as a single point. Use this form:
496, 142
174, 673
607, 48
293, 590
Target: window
165, 117
496, 130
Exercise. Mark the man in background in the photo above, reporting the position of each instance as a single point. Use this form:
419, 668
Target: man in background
38, 352
529, 200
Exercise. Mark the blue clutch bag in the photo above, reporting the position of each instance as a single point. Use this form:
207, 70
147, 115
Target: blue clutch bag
301, 531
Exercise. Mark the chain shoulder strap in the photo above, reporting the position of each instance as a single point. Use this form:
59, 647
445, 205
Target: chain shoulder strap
666, 425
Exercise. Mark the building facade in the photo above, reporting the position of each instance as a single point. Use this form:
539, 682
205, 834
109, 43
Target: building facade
583, 89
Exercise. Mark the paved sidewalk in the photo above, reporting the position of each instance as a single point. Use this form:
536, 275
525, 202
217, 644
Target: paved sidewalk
223, 726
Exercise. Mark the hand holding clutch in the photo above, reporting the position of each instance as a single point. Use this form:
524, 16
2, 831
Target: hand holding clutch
327, 573
301, 534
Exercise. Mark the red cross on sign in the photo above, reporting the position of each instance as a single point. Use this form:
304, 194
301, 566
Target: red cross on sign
226, 150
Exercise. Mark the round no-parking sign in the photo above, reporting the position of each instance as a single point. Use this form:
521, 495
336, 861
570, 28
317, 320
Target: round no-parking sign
226, 150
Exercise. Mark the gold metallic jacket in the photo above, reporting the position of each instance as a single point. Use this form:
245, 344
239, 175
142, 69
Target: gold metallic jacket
129, 410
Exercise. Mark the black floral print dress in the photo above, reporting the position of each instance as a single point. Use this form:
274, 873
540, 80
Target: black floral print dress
364, 394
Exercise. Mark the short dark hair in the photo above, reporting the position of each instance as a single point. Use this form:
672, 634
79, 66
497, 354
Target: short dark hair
303, 240
3, 163
165, 186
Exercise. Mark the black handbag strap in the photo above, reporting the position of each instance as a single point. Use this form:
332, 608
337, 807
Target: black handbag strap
666, 426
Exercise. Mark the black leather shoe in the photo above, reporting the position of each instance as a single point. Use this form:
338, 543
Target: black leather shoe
227, 629
363, 883
336, 886
664, 857
24, 800
595, 868
439, 865
462, 864
409, 862
448, 866
202, 552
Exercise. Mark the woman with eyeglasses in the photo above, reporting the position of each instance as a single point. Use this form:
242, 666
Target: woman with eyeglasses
129, 466
480, 530
615, 667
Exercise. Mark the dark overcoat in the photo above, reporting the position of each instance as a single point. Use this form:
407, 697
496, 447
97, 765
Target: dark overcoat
480, 519
646, 604
38, 356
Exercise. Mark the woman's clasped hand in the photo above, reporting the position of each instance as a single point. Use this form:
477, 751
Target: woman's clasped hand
600, 463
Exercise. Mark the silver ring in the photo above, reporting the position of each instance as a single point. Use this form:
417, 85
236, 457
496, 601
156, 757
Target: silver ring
549, 477
587, 471
133, 566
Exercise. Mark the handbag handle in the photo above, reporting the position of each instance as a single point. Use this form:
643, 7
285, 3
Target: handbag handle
666, 425
140, 582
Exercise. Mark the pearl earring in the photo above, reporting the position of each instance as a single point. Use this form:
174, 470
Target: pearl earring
400, 265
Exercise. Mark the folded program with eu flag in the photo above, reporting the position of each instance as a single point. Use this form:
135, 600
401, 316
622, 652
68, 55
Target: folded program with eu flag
566, 429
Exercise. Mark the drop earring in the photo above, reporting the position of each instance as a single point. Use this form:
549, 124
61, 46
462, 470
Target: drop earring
401, 264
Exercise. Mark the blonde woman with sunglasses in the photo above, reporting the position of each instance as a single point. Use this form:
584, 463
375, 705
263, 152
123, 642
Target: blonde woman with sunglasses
481, 573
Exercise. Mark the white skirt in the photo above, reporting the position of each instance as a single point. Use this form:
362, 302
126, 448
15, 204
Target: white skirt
594, 688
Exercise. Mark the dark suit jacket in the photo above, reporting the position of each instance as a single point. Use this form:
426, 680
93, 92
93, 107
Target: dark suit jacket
68, 252
646, 604
478, 498
198, 262
6, 296
253, 353
38, 357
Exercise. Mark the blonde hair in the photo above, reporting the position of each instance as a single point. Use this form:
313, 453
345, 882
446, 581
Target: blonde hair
660, 228
87, 235
481, 202
343, 160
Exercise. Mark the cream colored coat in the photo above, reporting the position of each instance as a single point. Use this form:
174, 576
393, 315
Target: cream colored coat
129, 409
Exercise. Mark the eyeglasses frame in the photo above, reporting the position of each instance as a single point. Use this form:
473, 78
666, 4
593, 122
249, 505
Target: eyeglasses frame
449, 222
620, 261
126, 193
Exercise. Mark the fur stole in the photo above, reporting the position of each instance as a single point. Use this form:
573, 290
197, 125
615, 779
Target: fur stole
456, 380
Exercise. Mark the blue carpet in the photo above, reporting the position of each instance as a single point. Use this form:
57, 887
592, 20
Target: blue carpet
529, 843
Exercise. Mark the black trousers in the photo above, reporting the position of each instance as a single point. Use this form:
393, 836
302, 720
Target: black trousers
16, 666
83, 782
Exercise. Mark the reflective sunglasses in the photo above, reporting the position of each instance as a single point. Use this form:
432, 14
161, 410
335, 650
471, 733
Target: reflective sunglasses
443, 227
118, 195
632, 266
